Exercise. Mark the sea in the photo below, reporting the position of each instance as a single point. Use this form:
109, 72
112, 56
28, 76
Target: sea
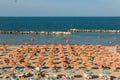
51, 24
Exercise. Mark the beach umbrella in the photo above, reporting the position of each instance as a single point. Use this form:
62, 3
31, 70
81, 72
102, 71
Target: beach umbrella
89, 64
116, 64
51, 59
25, 64
52, 71
75, 64
84, 58
30, 54
74, 59
19, 55
35, 71
40, 55
49, 64
4, 59
13, 79
10, 54
1, 63
40, 58
82, 55
63, 63
33, 79
106, 72
88, 72
17, 70
91, 59
70, 72
27, 59
44, 46
101, 63
52, 78
2, 71
16, 58
61, 55
12, 63
37, 63
51, 54
62, 59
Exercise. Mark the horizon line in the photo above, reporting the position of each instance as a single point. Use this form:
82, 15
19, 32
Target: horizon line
59, 16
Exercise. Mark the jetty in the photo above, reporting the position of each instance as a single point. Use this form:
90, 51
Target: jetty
89, 30
37, 33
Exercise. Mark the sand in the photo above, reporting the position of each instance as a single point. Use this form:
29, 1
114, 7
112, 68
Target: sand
78, 75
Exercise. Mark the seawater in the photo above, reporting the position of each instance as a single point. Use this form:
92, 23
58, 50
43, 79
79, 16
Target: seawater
75, 38
60, 24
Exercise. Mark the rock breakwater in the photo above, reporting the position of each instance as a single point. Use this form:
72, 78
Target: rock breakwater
88, 30
37, 33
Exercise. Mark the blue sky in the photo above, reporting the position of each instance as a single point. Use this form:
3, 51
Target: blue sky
60, 8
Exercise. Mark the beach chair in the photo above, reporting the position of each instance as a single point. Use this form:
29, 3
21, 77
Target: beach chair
87, 77
52, 79
108, 77
118, 78
33, 79
55, 75
1, 76
47, 76
20, 75
66, 78
101, 75
13, 79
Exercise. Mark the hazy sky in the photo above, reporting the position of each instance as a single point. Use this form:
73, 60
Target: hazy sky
60, 8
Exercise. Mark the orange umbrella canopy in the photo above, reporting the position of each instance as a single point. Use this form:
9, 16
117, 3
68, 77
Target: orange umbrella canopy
63, 59
101, 63
37, 64
49, 63
89, 64
12, 63
16, 58
27, 59
40, 58
1, 62
10, 54
4, 59
75, 64
40, 55
116, 64
25, 64
63, 63
19, 55
73, 59
51, 59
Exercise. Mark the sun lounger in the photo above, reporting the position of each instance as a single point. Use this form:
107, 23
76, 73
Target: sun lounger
13, 79
1, 76
33, 79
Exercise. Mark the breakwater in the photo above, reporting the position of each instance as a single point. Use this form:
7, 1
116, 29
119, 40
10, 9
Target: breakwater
88, 30
69, 32
37, 33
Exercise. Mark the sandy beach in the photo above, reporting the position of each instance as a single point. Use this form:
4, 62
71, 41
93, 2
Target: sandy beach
61, 58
